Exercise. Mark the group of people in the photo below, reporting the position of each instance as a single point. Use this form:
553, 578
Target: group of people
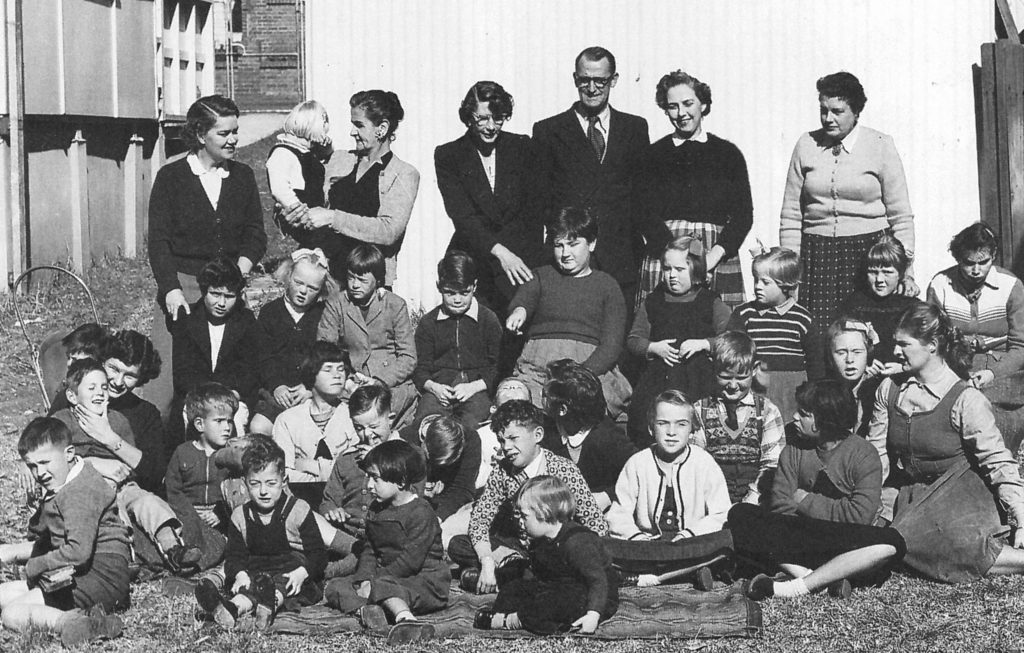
594, 403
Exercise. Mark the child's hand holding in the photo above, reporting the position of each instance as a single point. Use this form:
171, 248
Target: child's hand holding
588, 622
242, 582
665, 350
647, 580
444, 393
516, 320
336, 516
295, 579
694, 346
208, 517
463, 391
982, 378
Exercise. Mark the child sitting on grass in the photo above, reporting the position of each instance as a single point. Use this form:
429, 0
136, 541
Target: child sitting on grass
671, 494
827, 493
372, 325
314, 433
75, 526
194, 479
574, 586
87, 394
452, 454
572, 311
744, 432
494, 552
275, 555
457, 345
401, 571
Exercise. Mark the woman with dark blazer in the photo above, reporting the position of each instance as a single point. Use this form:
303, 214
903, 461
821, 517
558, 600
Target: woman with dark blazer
485, 181
370, 191
202, 206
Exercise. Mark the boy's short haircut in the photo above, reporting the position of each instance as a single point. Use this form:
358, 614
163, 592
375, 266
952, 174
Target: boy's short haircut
832, 404
696, 257
221, 272
367, 259
321, 352
733, 351
570, 223
89, 339
444, 440
456, 271
549, 498
207, 396
78, 369
132, 348
505, 386
780, 264
397, 462
673, 397
261, 453
974, 238
373, 396
519, 412
578, 391
887, 251
42, 432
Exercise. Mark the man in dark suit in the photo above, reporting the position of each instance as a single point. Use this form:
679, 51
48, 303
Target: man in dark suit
589, 157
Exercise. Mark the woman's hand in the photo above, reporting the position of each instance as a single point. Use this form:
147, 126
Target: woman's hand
294, 214
295, 579
174, 301
515, 269
463, 392
982, 378
665, 350
588, 622
714, 257
442, 392
694, 346
516, 320
318, 217
910, 287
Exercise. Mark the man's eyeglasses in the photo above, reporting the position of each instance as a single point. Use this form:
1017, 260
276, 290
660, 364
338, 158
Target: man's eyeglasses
481, 121
599, 82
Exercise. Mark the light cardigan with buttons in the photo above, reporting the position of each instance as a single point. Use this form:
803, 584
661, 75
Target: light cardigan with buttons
298, 436
859, 191
701, 495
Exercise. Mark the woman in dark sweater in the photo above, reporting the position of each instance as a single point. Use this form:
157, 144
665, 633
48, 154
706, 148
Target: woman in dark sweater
202, 206
697, 184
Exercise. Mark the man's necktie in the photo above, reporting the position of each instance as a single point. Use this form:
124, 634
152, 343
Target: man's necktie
596, 137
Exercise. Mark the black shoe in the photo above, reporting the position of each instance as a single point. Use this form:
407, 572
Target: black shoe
759, 588
482, 619
468, 579
410, 630
213, 603
840, 589
265, 594
181, 558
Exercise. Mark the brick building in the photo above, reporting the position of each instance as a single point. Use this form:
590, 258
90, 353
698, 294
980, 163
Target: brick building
264, 70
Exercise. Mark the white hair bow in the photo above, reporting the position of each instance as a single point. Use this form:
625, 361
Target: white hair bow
315, 256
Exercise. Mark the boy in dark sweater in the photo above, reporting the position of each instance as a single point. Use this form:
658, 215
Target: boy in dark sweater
275, 556
457, 346
78, 537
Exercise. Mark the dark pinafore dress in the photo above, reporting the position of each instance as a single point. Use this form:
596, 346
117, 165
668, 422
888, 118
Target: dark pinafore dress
737, 452
677, 321
945, 511
312, 195
360, 197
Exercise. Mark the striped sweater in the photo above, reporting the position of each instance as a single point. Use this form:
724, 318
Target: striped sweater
787, 338
993, 322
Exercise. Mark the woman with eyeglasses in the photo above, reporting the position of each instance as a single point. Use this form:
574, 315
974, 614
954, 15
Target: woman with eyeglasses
696, 184
370, 191
485, 180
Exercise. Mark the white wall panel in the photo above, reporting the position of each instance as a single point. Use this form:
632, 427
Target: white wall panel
761, 60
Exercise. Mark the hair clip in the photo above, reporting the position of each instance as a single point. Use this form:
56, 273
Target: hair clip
315, 256
862, 327
696, 247
760, 250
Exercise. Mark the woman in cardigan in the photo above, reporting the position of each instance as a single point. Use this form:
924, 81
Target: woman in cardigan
696, 184
950, 464
202, 206
845, 187
485, 180
370, 190
984, 301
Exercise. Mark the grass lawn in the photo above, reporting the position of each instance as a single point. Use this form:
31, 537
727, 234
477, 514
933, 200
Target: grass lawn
905, 615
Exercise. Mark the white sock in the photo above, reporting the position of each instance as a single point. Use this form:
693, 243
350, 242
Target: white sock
791, 588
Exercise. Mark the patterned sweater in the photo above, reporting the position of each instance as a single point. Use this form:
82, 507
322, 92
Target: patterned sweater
993, 321
497, 500
786, 337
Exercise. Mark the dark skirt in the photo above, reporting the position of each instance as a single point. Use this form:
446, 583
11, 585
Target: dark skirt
832, 266
770, 539
694, 377
952, 527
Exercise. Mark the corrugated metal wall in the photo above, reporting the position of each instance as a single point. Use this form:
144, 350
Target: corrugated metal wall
761, 60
